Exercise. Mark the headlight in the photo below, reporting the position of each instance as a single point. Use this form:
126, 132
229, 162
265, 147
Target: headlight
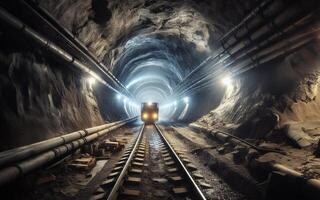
145, 116
154, 115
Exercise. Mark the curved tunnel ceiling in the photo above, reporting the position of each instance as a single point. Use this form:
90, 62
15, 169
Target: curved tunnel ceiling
150, 45
151, 66
152, 60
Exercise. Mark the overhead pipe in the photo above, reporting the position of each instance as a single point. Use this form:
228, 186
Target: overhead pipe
227, 58
267, 38
275, 37
277, 50
249, 21
249, 64
263, 32
305, 26
41, 40
13, 171
20, 153
255, 19
72, 40
309, 27
273, 24
290, 37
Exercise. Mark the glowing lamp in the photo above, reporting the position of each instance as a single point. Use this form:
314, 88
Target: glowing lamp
145, 116
226, 81
91, 80
154, 115
186, 99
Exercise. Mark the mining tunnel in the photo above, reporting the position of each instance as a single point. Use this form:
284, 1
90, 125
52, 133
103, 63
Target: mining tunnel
159, 99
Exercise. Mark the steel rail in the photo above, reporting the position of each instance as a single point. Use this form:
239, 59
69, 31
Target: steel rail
114, 192
199, 193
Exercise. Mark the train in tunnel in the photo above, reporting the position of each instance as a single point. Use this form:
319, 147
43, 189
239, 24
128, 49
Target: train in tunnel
149, 112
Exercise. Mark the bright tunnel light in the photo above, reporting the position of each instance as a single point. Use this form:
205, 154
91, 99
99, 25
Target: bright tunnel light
186, 99
145, 116
226, 81
91, 80
154, 115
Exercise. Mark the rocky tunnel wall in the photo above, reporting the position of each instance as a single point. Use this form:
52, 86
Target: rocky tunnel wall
152, 39
169, 38
274, 102
40, 98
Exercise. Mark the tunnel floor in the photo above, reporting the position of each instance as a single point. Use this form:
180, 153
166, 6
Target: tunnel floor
71, 183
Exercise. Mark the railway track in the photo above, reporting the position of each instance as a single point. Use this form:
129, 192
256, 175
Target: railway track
151, 169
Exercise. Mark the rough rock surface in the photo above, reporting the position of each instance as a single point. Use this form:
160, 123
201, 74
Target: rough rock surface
40, 102
105, 26
44, 99
151, 45
282, 99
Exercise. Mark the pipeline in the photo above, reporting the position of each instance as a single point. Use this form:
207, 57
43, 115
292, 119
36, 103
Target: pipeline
274, 50
278, 50
35, 160
250, 64
231, 35
20, 153
242, 40
218, 52
72, 41
42, 41
224, 59
292, 39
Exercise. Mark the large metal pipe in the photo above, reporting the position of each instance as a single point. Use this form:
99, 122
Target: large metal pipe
20, 153
41, 40
249, 64
251, 21
245, 37
225, 59
12, 172
67, 37
304, 27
